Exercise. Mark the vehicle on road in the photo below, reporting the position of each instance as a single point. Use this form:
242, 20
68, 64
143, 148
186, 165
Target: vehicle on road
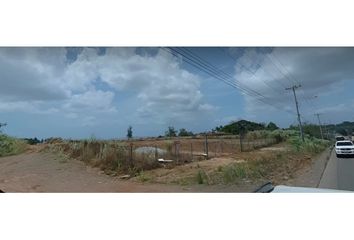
340, 138
344, 148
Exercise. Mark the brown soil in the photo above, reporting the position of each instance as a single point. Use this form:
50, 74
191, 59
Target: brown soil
36, 171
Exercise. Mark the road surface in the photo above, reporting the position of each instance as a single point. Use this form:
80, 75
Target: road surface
45, 172
339, 173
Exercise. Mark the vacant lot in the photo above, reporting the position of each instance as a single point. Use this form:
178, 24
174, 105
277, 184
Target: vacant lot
131, 157
137, 166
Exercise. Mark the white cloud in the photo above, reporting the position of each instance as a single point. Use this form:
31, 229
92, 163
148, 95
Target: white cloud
42, 80
164, 89
30, 74
96, 100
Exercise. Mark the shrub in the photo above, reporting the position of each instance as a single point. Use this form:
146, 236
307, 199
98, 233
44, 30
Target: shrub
234, 172
11, 146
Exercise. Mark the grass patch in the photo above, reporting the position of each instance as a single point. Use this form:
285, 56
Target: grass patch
143, 177
234, 172
311, 145
11, 146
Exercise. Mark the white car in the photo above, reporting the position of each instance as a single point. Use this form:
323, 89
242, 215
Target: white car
345, 147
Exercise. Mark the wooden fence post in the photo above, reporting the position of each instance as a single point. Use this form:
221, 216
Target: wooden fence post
215, 148
156, 154
192, 152
177, 151
131, 154
206, 146
222, 147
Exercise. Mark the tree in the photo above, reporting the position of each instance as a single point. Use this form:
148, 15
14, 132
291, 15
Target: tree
342, 132
171, 132
183, 133
130, 132
272, 126
2, 125
239, 126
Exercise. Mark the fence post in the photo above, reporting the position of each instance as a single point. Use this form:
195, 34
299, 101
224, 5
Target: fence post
192, 152
176, 151
206, 146
156, 154
131, 154
215, 148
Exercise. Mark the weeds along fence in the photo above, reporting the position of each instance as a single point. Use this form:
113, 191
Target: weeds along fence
134, 156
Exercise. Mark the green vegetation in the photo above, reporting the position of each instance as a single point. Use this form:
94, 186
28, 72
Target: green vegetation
184, 133
33, 141
130, 132
143, 177
345, 128
171, 132
11, 146
243, 126
271, 167
311, 145
272, 126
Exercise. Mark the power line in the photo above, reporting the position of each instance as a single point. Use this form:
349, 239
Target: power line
293, 79
293, 88
253, 73
208, 68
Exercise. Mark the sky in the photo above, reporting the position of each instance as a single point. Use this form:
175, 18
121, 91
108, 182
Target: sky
82, 92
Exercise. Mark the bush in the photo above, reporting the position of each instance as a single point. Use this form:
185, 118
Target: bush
11, 146
234, 172
310, 145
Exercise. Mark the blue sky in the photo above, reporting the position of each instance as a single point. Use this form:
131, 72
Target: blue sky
77, 92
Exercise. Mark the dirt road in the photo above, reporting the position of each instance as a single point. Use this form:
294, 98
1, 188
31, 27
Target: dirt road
44, 172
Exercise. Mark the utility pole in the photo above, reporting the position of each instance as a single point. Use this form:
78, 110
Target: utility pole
297, 109
319, 123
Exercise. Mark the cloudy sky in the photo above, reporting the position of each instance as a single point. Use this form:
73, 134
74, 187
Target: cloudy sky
77, 92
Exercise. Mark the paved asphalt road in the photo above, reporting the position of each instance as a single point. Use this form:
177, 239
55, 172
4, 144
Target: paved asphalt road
339, 173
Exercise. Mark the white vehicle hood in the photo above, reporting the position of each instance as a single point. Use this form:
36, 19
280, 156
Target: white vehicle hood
287, 189
342, 147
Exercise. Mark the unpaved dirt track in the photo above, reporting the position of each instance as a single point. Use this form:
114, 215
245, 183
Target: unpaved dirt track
45, 172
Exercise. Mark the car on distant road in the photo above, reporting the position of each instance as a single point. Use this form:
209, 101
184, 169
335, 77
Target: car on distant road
345, 147
340, 138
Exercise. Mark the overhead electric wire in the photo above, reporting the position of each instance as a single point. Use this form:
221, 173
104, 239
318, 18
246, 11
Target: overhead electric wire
253, 72
216, 73
208, 64
294, 80
287, 76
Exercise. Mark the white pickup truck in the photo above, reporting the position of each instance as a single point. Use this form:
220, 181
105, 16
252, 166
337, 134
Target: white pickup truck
345, 147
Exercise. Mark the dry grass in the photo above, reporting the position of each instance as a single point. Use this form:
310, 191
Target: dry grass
121, 157
11, 146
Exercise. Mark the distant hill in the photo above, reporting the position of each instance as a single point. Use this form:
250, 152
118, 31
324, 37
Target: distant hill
244, 126
329, 130
345, 128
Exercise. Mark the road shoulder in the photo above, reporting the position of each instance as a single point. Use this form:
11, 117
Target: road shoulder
311, 175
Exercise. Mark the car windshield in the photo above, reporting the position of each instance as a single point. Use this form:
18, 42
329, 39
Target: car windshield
344, 143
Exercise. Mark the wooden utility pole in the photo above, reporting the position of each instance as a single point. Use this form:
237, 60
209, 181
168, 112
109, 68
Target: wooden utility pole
293, 88
319, 123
